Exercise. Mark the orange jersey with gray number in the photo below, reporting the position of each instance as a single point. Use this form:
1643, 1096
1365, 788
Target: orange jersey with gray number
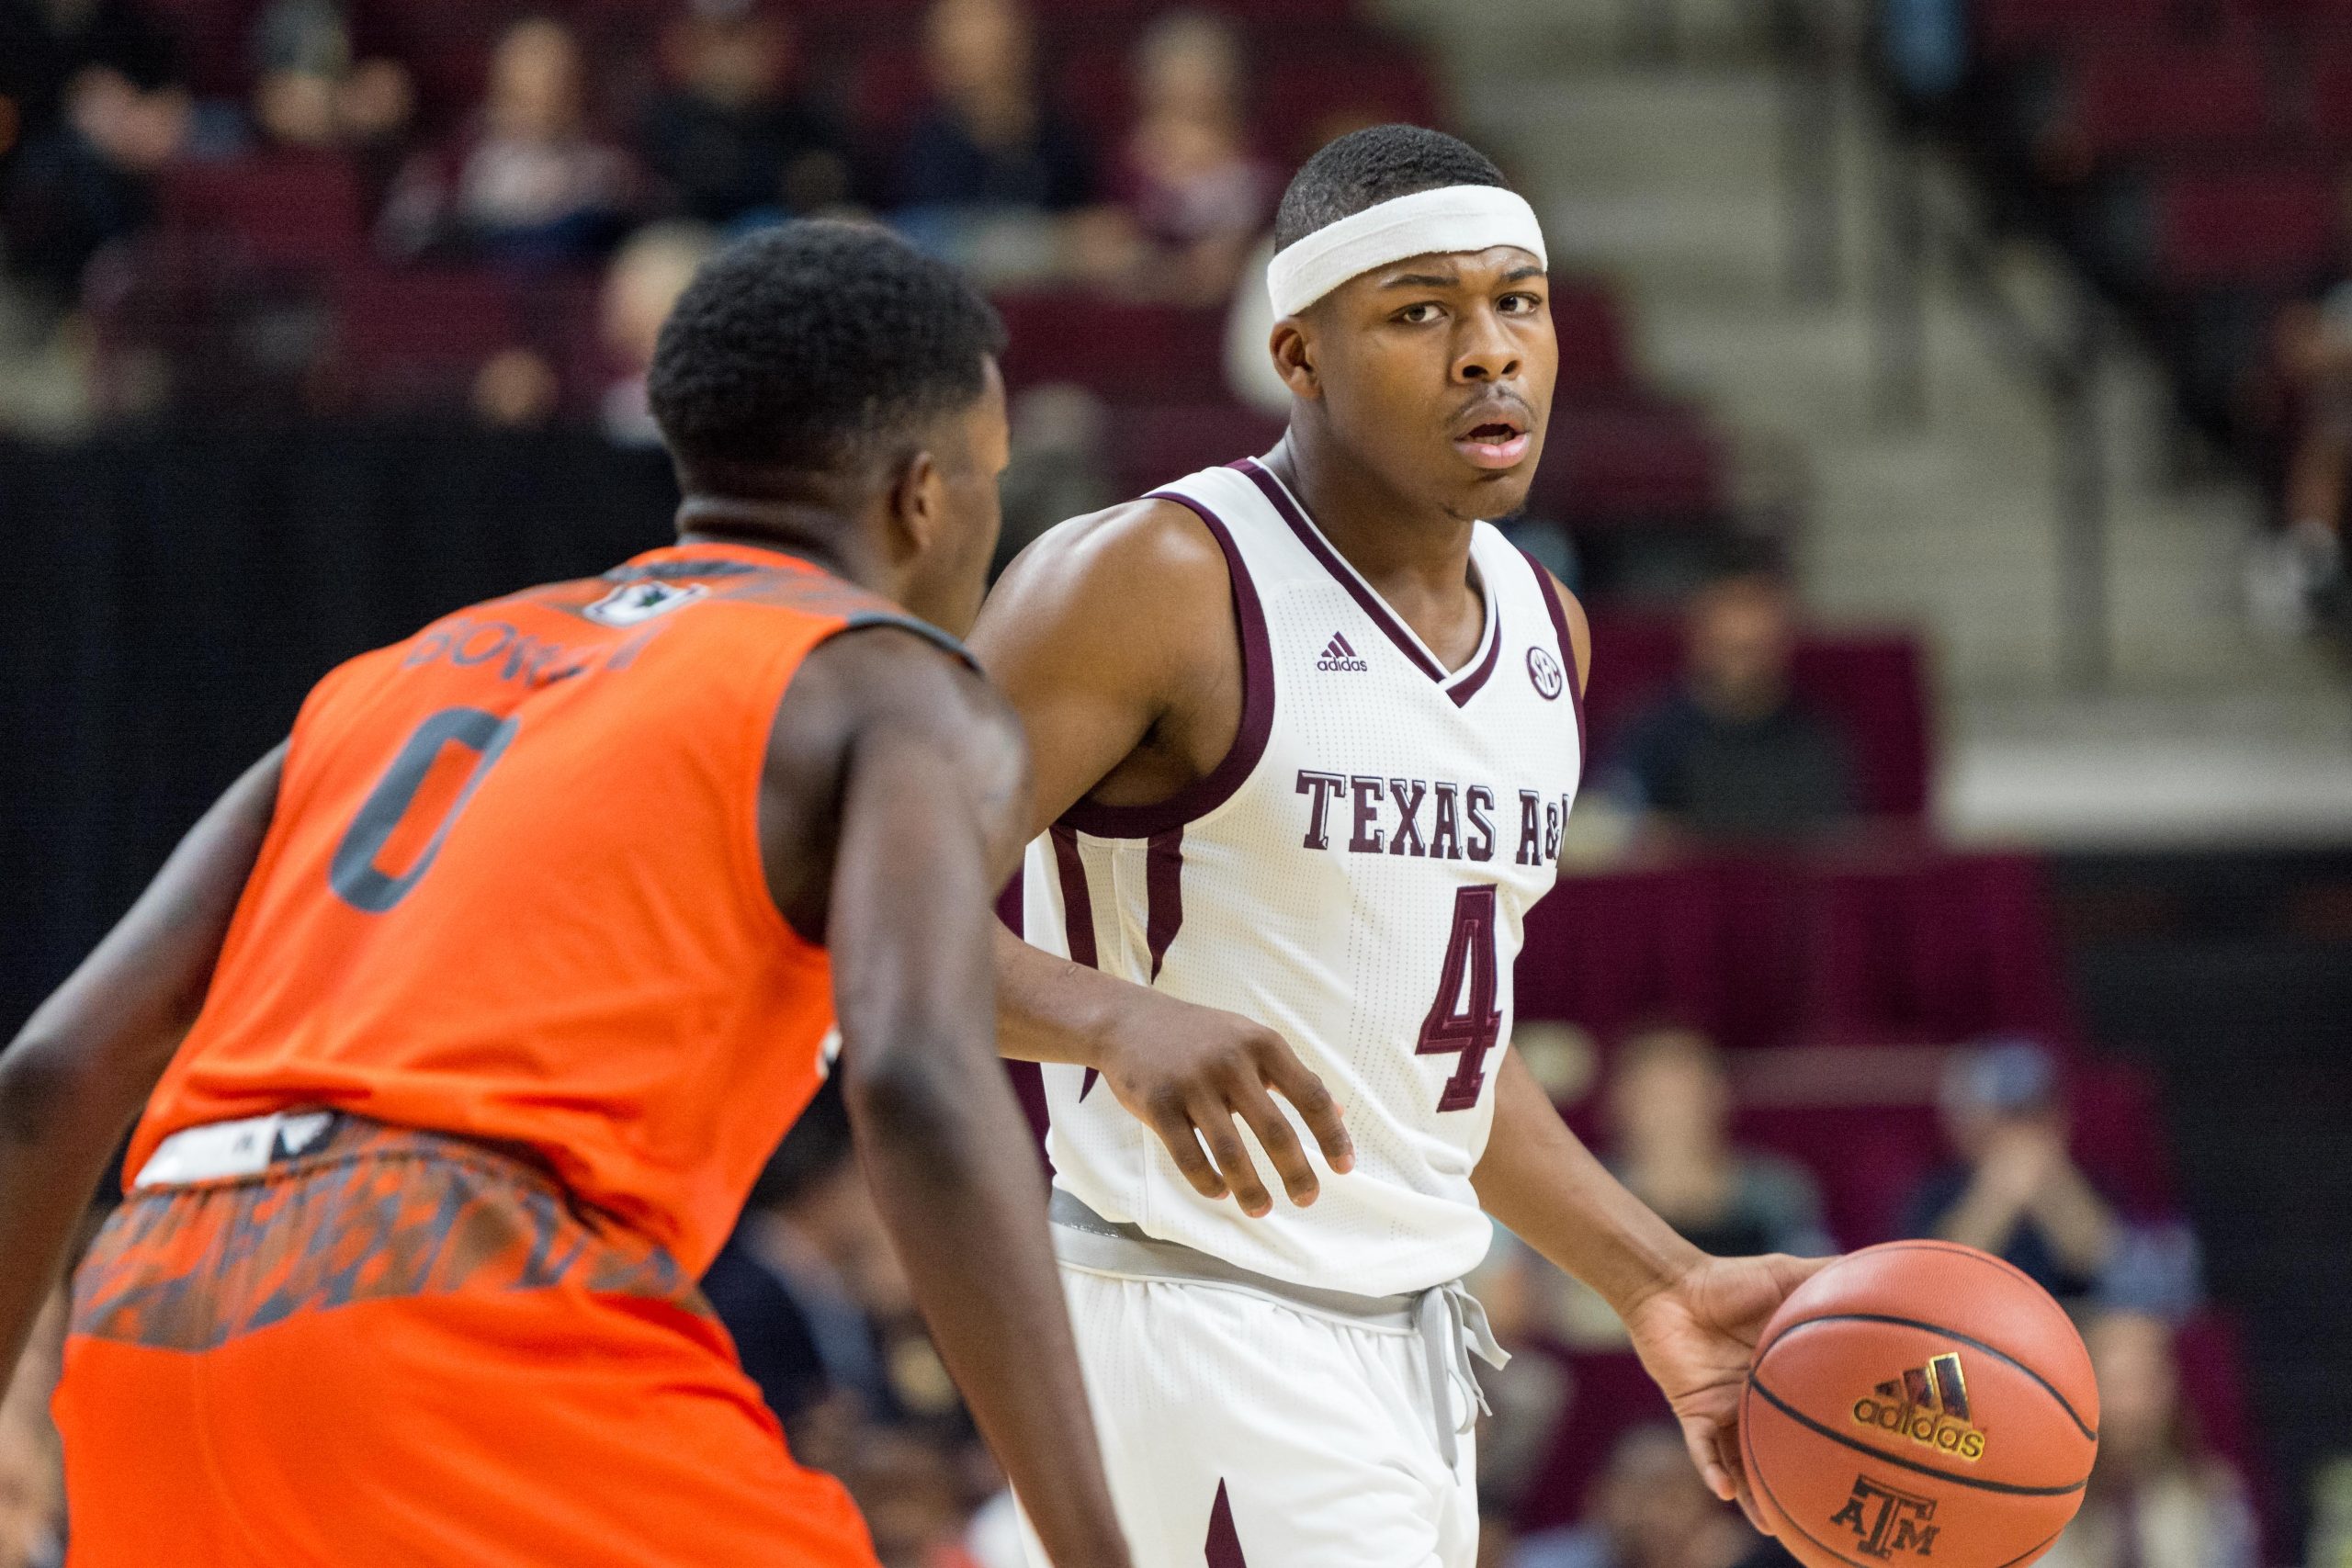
514, 891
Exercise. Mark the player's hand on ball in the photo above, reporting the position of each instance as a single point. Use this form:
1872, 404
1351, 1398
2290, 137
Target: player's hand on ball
1696, 1336
1189, 1072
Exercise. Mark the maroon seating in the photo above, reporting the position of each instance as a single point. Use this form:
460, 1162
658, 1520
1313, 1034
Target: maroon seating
2250, 226
1153, 446
273, 210
416, 337
1635, 460
1595, 362
1872, 684
2137, 97
1123, 351
2009, 28
1866, 946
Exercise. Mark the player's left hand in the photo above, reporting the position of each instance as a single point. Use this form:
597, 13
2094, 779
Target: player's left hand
1696, 1336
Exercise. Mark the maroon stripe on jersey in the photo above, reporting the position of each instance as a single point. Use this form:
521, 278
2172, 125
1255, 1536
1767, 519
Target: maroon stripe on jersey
1568, 651
1078, 912
1462, 690
1204, 794
1320, 549
1163, 893
1077, 904
1224, 1548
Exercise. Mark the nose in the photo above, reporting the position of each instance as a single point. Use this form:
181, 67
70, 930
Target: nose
1486, 352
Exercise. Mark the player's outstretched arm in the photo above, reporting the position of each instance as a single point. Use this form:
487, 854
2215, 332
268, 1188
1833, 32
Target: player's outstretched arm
1114, 638
85, 1061
928, 771
1694, 1319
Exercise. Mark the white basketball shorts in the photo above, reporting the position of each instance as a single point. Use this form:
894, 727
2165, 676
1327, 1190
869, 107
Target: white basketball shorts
1241, 1431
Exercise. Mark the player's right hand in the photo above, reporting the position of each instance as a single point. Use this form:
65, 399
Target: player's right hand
1191, 1073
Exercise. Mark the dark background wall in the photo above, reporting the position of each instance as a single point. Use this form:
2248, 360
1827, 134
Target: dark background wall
169, 596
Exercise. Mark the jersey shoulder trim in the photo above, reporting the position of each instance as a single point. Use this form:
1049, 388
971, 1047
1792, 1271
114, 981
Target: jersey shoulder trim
1566, 651
1212, 790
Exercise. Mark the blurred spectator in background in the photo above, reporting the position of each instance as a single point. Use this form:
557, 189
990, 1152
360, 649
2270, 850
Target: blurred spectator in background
731, 136
1193, 195
1669, 1113
312, 89
530, 183
90, 107
1649, 1509
647, 276
809, 1272
2299, 577
915, 1501
1731, 753
2153, 1500
990, 159
2015, 1191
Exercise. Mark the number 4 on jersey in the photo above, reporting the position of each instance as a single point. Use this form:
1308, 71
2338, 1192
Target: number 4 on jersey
1463, 1018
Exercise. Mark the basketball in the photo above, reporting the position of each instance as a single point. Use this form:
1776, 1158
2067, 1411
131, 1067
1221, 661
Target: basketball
1919, 1402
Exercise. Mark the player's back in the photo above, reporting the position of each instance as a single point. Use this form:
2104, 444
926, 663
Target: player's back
512, 890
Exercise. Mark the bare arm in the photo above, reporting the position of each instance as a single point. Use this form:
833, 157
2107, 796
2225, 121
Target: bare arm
930, 778
1694, 1319
1114, 638
84, 1062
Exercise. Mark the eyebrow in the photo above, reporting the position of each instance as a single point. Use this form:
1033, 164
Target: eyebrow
1448, 280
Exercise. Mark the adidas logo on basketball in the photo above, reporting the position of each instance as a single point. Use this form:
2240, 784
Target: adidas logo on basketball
1338, 655
1927, 1405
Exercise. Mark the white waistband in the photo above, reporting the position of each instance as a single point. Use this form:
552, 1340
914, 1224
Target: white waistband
222, 1149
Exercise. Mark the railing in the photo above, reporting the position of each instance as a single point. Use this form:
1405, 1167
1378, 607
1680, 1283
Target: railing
1911, 234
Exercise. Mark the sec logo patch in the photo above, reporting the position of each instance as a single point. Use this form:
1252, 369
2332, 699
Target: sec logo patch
1544, 672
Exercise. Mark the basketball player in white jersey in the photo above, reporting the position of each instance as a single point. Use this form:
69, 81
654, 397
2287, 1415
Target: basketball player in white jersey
1305, 731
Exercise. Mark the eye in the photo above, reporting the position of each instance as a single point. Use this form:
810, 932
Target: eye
1520, 304
1420, 314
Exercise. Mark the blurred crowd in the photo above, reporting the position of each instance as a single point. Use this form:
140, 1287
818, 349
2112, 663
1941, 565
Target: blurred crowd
548, 168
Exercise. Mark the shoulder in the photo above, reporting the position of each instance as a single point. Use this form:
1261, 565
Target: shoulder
1572, 616
881, 678
1143, 570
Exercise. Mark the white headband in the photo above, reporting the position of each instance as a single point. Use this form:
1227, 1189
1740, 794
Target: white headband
1428, 222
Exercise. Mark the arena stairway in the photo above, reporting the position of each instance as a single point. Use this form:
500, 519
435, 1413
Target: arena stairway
1666, 174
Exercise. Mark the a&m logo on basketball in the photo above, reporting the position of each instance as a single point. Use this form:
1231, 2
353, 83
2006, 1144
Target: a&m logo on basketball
1927, 1405
1885, 1521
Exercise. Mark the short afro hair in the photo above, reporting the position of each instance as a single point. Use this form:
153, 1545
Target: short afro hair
801, 345
1378, 164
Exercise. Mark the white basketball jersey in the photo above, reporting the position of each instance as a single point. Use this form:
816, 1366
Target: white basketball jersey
1355, 874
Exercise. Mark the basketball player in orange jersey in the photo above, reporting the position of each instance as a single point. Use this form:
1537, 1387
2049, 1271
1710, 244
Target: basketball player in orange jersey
1307, 730
479, 1003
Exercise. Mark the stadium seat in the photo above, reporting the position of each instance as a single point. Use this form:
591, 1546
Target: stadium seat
1123, 351
272, 209
1871, 685
1596, 363
2005, 29
415, 338
2141, 96
2244, 227
1153, 446
1639, 460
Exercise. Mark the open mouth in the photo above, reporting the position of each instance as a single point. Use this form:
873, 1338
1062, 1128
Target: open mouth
1494, 444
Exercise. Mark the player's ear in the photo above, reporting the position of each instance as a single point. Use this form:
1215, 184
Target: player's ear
1294, 358
917, 505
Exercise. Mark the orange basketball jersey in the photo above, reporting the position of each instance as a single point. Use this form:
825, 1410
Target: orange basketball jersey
514, 891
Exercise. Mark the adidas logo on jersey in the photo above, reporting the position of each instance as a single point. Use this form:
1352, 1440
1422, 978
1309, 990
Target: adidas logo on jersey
1927, 1405
1338, 655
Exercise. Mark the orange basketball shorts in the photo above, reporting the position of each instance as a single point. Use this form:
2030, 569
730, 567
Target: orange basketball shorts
403, 1349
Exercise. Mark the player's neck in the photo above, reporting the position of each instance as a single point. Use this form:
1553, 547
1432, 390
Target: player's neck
816, 535
1397, 542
